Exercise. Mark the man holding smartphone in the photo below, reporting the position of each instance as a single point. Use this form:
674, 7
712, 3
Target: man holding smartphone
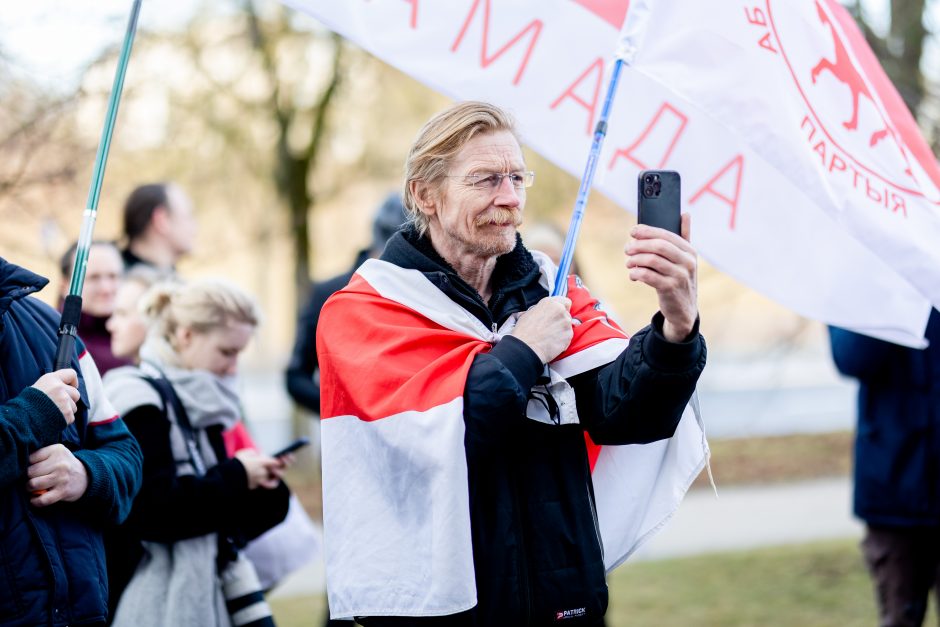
457, 394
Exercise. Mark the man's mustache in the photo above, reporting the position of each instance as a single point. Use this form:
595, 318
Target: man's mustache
500, 216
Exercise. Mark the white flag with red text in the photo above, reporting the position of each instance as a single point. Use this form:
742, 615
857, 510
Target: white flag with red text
806, 177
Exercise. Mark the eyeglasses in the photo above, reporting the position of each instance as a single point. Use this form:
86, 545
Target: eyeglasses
491, 181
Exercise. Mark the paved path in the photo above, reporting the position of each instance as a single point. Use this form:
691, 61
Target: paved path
739, 518
749, 517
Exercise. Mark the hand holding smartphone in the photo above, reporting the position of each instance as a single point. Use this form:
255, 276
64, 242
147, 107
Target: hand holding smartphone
293, 446
659, 200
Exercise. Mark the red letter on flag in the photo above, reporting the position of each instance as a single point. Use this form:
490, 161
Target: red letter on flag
737, 162
414, 13
535, 26
598, 68
679, 119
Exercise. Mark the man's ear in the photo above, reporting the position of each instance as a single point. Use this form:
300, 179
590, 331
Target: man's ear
425, 196
160, 219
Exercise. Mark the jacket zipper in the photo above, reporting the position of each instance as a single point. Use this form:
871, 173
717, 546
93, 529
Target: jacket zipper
597, 525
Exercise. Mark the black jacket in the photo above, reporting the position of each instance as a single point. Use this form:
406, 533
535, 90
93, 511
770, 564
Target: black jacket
536, 547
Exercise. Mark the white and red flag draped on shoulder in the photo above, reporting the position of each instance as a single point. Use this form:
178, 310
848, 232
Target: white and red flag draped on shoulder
395, 352
807, 177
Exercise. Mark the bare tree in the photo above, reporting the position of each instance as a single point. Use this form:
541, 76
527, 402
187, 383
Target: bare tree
295, 161
41, 156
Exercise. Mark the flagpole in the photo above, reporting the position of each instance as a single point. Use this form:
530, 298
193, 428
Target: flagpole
600, 132
72, 309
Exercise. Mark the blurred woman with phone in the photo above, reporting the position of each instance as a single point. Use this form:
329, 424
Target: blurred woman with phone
197, 507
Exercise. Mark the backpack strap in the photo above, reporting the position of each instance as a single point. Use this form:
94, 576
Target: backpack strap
170, 399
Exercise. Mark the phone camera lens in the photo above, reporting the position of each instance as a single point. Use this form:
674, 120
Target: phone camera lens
648, 191
647, 179
657, 187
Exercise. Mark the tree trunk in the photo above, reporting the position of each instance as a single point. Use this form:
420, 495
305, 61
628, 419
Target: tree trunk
906, 47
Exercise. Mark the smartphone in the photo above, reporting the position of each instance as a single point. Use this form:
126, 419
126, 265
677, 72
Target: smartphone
658, 199
293, 446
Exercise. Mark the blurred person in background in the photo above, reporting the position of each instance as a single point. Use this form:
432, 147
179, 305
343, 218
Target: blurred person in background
159, 226
69, 468
128, 324
897, 467
197, 507
103, 270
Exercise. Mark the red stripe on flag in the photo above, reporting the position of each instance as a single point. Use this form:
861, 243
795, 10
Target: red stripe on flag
614, 12
595, 327
379, 358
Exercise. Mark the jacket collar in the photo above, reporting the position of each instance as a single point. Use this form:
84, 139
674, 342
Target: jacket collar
16, 283
409, 250
514, 270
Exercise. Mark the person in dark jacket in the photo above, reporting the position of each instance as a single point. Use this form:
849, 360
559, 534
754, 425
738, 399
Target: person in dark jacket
897, 466
302, 372
103, 270
68, 468
536, 552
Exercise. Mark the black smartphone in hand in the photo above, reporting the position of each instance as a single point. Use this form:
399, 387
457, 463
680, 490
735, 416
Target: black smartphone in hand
293, 446
658, 200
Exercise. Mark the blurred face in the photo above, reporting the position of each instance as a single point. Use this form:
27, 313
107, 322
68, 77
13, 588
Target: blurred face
182, 221
127, 325
216, 350
478, 220
103, 272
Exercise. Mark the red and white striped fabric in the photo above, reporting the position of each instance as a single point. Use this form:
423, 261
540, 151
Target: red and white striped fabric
394, 356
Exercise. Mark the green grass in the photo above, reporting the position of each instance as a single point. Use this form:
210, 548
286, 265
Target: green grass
817, 585
299, 611
776, 459
811, 585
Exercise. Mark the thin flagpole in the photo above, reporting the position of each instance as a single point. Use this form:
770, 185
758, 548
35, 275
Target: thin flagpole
577, 216
72, 309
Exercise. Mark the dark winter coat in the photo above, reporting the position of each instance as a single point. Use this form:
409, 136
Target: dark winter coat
536, 549
52, 564
897, 443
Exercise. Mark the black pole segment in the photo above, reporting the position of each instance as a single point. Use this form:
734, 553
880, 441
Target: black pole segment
68, 331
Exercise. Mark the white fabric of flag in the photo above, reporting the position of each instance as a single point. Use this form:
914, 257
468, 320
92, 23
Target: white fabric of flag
805, 175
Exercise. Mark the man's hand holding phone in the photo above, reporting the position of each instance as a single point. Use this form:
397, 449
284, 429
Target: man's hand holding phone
663, 259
